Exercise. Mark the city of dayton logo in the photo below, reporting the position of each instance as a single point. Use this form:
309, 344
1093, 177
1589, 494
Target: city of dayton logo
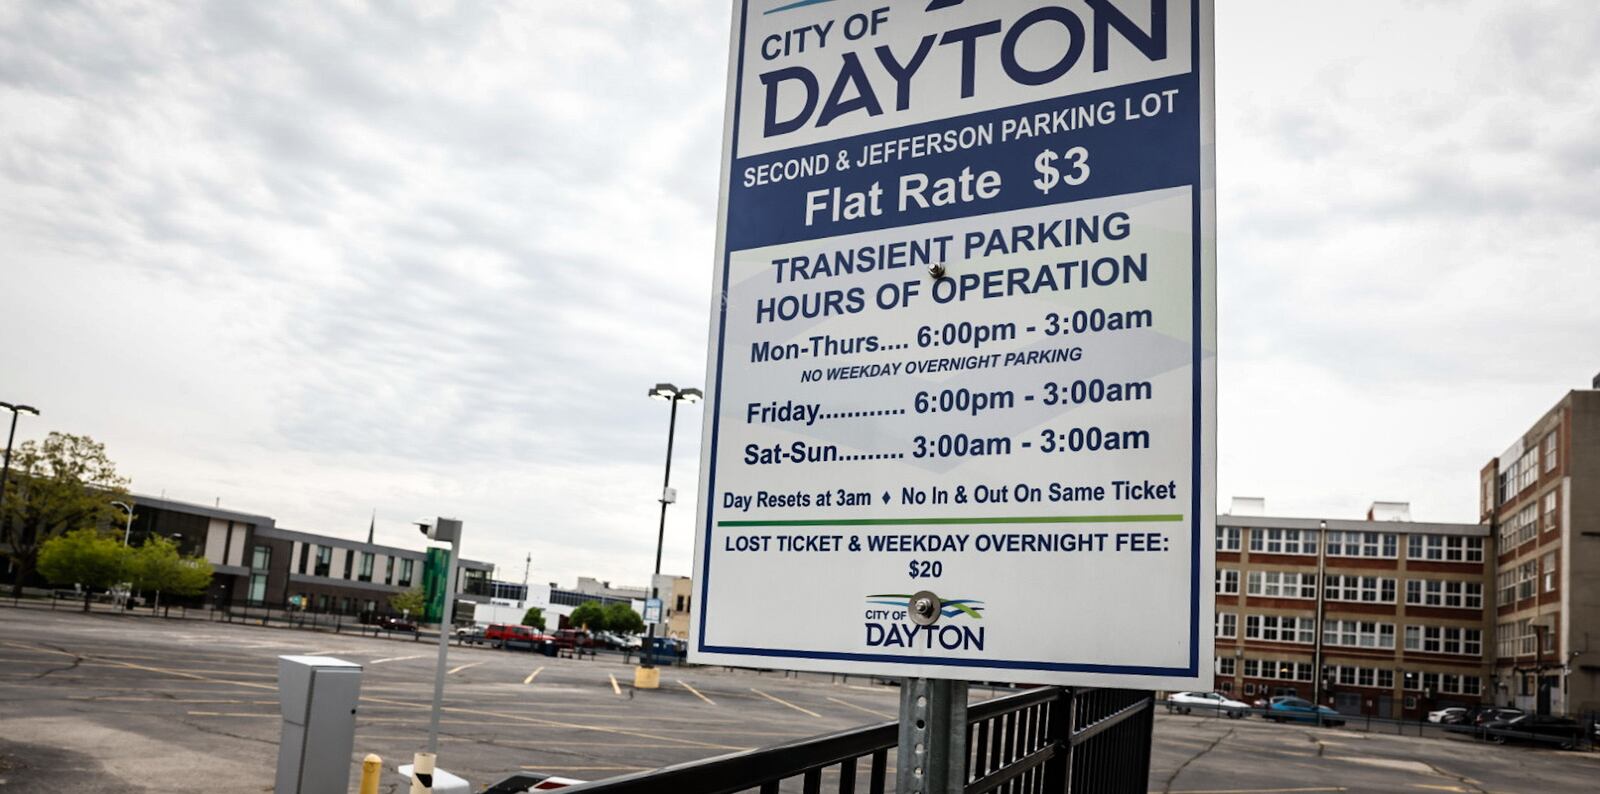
888, 625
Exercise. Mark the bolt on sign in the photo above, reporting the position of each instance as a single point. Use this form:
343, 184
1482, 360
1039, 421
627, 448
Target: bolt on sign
961, 416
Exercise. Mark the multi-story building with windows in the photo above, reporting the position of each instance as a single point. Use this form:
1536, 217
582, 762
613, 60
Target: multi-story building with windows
1541, 500
258, 563
1403, 611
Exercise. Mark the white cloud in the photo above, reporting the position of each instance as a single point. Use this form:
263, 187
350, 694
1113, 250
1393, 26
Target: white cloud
315, 258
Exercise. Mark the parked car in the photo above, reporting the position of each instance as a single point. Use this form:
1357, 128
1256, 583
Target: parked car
573, 640
1450, 716
515, 637
1294, 709
392, 623
1185, 702
1559, 731
1486, 716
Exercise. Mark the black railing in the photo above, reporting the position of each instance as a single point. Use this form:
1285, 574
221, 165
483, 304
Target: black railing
1034, 742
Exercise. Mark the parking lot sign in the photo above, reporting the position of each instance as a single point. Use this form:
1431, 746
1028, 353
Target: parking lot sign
961, 410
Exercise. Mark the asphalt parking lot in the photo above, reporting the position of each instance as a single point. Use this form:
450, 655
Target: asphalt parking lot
101, 703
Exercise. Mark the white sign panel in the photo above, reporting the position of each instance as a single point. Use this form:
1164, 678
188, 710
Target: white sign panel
964, 343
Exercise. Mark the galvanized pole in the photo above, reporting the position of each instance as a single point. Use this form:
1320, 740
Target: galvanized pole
444, 637
932, 756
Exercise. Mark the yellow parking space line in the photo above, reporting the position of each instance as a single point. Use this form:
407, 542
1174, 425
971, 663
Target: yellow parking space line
397, 659
533, 675
873, 712
783, 702
458, 668
615, 687
1333, 789
559, 768
709, 701
1437, 788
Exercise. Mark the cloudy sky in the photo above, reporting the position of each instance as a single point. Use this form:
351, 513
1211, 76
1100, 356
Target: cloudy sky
314, 259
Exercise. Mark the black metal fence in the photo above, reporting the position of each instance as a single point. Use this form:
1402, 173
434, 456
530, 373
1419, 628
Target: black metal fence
1049, 740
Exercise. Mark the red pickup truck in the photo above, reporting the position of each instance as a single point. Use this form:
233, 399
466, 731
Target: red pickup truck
506, 635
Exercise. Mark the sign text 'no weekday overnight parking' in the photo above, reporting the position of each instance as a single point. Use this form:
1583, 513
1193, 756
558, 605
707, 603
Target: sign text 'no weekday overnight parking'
964, 343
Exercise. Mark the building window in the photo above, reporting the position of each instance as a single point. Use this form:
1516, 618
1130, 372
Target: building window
406, 566
1227, 581
324, 560
1358, 634
349, 563
1227, 538
1549, 566
1446, 548
365, 574
1550, 452
1528, 469
1360, 589
1363, 544
305, 557
322, 603
1278, 670
1227, 625
1520, 528
1279, 584
1278, 628
1444, 593
1283, 541
1552, 516
388, 571
1225, 665
370, 607
1444, 639
260, 561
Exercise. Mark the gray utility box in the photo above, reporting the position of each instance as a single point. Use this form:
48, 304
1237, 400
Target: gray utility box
318, 696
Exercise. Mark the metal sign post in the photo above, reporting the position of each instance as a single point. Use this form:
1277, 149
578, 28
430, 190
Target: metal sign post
443, 529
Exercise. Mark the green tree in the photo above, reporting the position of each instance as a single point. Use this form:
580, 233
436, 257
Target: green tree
534, 617
621, 618
85, 557
411, 602
589, 615
158, 566
57, 485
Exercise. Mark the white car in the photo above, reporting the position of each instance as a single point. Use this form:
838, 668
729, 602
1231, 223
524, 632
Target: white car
1185, 702
1450, 715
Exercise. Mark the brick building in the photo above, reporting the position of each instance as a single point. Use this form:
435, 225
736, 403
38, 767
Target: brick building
1541, 499
1404, 610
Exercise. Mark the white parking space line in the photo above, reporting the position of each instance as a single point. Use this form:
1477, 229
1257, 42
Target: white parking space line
458, 668
615, 687
533, 675
697, 694
873, 712
783, 702
397, 659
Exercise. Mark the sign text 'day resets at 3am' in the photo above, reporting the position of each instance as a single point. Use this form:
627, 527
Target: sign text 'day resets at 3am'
963, 342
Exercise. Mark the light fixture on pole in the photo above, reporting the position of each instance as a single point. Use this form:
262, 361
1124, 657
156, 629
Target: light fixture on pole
673, 395
127, 528
5, 469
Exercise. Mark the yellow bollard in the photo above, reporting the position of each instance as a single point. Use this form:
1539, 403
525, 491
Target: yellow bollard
371, 770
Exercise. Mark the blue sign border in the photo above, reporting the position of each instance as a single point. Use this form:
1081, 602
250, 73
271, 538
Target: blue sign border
1197, 432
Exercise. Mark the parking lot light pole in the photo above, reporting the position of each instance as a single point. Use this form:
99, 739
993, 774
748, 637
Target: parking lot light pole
1322, 589
674, 395
5, 469
127, 529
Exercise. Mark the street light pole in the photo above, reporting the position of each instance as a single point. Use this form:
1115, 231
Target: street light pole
674, 395
5, 468
1317, 631
127, 529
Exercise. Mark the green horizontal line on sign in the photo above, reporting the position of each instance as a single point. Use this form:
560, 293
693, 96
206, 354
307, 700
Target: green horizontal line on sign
913, 522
